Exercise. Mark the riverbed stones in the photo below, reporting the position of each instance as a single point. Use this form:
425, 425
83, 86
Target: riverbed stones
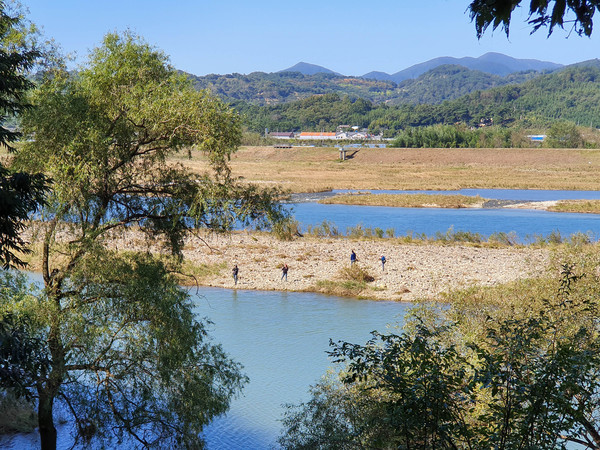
412, 271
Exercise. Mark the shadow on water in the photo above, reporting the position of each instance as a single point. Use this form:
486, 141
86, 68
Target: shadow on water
281, 339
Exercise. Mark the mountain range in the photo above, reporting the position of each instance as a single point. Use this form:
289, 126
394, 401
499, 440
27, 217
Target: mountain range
492, 63
569, 94
433, 81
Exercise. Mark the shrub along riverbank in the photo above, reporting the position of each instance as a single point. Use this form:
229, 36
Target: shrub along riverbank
510, 366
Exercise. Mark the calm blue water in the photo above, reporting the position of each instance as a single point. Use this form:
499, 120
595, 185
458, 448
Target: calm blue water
525, 223
281, 339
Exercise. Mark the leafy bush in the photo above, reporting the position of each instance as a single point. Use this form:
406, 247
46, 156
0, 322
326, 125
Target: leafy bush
287, 229
528, 376
503, 238
458, 236
357, 273
326, 229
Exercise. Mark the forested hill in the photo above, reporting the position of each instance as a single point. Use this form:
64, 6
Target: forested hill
449, 82
439, 84
571, 94
261, 88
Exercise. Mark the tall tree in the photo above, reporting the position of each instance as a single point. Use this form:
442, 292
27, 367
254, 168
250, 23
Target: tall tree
126, 354
20, 193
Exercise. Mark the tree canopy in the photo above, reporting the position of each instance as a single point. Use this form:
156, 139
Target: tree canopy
545, 13
126, 355
475, 375
21, 193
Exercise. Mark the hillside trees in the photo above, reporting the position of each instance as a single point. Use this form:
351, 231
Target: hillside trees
564, 135
127, 356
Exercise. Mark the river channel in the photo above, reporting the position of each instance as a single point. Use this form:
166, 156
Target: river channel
281, 338
526, 224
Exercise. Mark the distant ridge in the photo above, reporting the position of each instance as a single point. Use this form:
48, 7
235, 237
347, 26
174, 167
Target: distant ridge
493, 63
308, 69
378, 76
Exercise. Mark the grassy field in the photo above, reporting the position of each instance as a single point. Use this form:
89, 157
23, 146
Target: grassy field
407, 200
313, 169
577, 206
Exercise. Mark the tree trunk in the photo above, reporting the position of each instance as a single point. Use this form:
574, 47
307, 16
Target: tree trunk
46, 421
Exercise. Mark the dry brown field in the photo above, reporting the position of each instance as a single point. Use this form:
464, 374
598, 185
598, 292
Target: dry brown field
407, 200
307, 169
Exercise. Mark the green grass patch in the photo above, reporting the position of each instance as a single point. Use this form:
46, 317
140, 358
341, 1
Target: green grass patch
342, 288
353, 283
192, 272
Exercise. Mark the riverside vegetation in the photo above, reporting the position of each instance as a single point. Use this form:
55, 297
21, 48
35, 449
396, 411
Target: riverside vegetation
120, 318
514, 364
407, 200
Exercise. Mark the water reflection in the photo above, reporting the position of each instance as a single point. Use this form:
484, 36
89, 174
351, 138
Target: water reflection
281, 338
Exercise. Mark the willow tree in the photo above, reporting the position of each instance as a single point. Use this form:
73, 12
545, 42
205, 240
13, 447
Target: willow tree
124, 352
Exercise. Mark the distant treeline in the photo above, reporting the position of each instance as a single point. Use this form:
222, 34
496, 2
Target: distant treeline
560, 135
571, 95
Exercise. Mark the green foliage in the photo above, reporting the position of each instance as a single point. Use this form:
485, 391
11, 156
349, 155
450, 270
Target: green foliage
564, 135
446, 82
458, 236
120, 319
449, 82
21, 193
472, 376
452, 136
326, 229
261, 88
571, 94
18, 416
286, 230
15, 63
356, 272
499, 13
503, 238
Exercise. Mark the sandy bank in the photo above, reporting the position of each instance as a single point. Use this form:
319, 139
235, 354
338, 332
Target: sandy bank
544, 206
412, 271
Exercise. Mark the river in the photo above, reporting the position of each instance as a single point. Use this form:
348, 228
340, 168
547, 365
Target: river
281, 338
526, 224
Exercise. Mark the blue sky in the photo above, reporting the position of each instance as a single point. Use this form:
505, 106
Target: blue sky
350, 37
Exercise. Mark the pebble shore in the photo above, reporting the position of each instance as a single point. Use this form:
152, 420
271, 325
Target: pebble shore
412, 271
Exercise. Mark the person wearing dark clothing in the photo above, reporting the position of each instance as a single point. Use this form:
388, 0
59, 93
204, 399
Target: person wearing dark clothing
352, 257
383, 260
284, 271
235, 272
